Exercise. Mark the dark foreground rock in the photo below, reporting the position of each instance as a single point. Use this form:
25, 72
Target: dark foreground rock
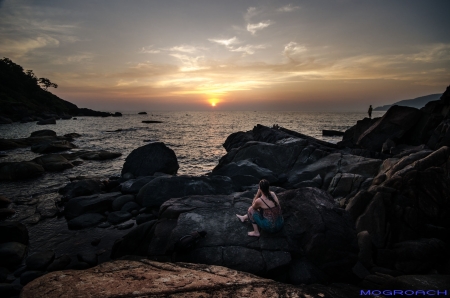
149, 159
317, 244
145, 278
405, 215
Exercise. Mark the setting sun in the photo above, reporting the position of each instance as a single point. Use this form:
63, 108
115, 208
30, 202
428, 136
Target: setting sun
213, 101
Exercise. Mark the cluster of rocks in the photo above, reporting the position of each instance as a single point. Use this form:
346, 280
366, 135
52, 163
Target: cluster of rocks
46, 142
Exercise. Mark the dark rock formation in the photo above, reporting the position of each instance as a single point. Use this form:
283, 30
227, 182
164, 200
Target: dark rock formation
142, 113
317, 236
151, 121
149, 159
40, 261
406, 213
43, 133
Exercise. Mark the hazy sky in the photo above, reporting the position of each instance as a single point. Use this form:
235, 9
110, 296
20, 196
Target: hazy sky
253, 55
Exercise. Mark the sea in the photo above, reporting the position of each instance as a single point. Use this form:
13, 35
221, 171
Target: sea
196, 137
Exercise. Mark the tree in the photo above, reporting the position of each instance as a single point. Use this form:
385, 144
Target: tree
45, 83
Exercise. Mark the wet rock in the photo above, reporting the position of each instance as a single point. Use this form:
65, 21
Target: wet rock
96, 241
43, 133
104, 225
40, 261
81, 188
47, 208
11, 253
13, 231
151, 158
72, 135
159, 190
20, 170
85, 221
9, 145
118, 203
59, 263
52, 147
119, 217
53, 162
117, 114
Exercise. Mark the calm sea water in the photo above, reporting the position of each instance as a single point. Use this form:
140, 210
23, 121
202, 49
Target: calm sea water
196, 138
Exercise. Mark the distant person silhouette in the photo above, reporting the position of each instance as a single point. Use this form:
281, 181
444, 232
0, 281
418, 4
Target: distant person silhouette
370, 111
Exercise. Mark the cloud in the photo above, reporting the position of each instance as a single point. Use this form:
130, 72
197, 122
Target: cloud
292, 49
248, 49
252, 28
288, 8
230, 44
149, 50
189, 63
251, 12
225, 42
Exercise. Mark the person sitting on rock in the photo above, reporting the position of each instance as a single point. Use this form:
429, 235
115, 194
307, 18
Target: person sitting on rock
265, 212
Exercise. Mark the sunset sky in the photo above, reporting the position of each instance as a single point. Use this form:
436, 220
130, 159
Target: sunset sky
236, 54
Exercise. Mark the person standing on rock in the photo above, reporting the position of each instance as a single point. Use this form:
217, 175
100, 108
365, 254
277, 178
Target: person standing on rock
265, 212
370, 111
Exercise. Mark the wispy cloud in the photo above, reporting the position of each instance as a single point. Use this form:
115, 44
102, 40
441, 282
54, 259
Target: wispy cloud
226, 42
231, 43
149, 50
252, 28
288, 8
250, 13
189, 63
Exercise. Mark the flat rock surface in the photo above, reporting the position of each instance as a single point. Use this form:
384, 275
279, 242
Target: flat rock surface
146, 278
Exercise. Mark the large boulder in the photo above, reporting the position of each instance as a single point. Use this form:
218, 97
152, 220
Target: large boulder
149, 159
318, 239
145, 278
160, 189
20, 170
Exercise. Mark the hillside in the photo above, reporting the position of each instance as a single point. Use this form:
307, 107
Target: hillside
21, 96
418, 102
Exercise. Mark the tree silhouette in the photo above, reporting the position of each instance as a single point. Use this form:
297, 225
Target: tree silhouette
45, 83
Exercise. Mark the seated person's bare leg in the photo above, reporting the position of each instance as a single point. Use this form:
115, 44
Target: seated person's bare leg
255, 233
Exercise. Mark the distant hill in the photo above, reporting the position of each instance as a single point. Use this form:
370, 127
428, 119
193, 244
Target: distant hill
21, 96
418, 102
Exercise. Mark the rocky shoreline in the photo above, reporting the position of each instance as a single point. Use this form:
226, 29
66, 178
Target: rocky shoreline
368, 212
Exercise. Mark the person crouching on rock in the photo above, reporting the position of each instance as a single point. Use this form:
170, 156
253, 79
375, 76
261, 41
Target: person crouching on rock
265, 212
